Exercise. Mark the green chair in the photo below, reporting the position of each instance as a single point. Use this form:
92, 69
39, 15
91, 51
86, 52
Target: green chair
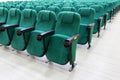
79, 6
22, 33
68, 9
29, 7
110, 10
98, 18
105, 15
20, 7
6, 30
54, 9
62, 45
58, 5
39, 8
87, 25
39, 38
3, 15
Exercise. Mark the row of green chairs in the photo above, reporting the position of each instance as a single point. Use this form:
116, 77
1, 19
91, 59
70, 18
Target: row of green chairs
44, 36
41, 33
100, 17
103, 12
86, 35
96, 29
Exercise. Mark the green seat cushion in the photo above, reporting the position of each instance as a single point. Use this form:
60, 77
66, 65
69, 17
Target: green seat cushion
20, 42
4, 38
36, 47
56, 54
84, 34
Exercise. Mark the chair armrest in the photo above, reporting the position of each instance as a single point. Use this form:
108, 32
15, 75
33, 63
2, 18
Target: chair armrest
100, 18
106, 14
111, 10
2, 28
10, 26
1, 23
19, 32
90, 25
68, 41
41, 36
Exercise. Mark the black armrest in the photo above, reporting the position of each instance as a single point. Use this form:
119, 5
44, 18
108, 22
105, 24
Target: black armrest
10, 26
1, 23
111, 10
90, 25
19, 32
68, 41
100, 18
2, 28
40, 36
106, 14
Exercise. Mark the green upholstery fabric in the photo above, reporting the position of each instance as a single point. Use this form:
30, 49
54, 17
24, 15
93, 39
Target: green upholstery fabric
79, 6
1, 11
57, 52
14, 16
95, 30
35, 47
5, 39
98, 10
110, 8
29, 7
28, 18
68, 9
39, 8
12, 19
20, 7
104, 12
87, 17
67, 19
3, 14
45, 17
20, 42
27, 14
58, 5
54, 9
63, 24
45, 25
104, 20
